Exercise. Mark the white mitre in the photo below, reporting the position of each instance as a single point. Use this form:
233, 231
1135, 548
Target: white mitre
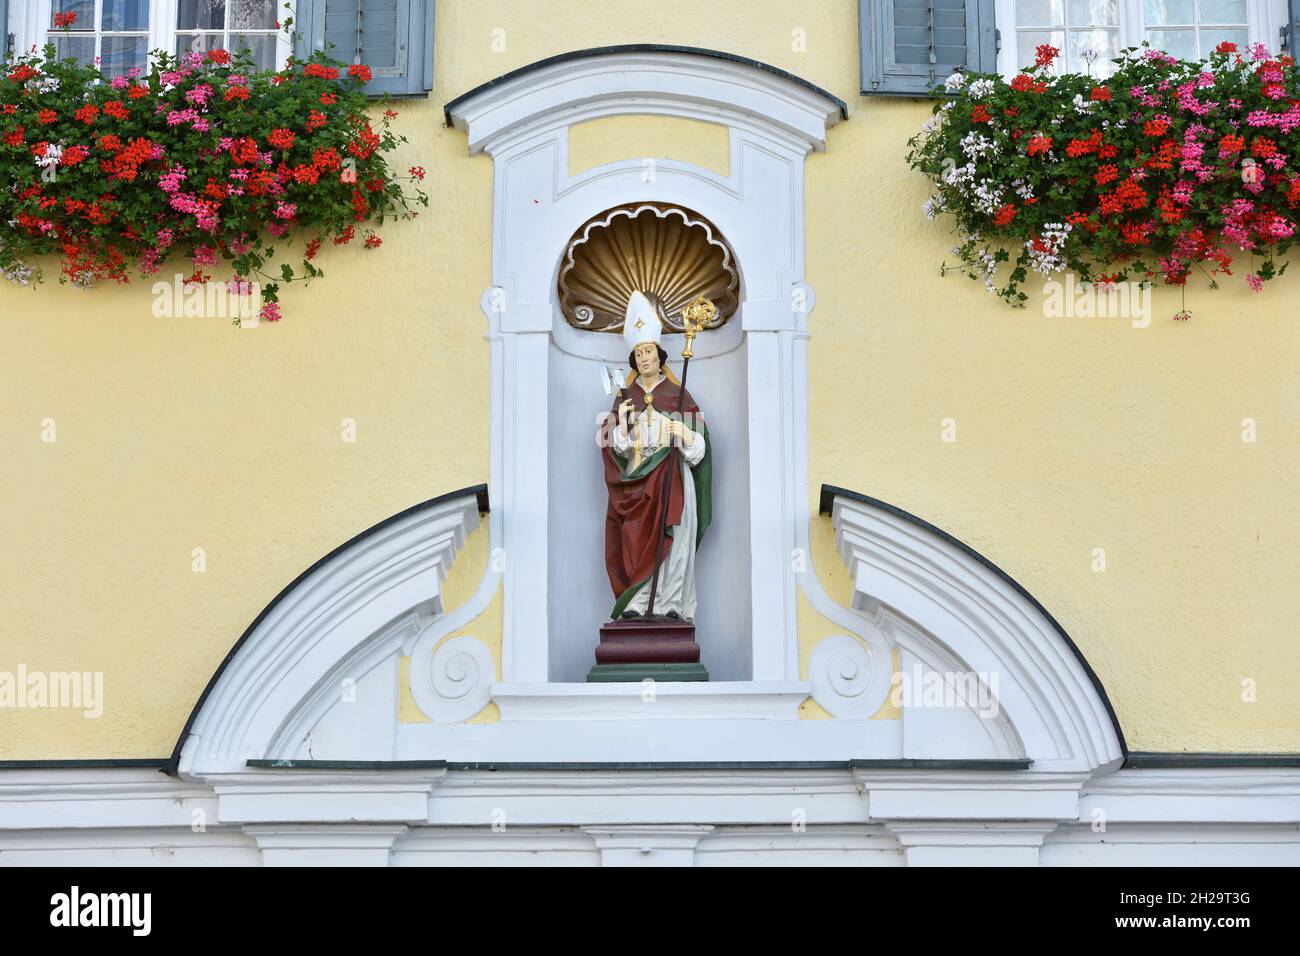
641, 324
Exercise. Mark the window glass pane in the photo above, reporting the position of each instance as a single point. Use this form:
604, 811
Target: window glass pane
1040, 13
201, 14
198, 42
119, 54
1179, 43
125, 15
80, 48
1093, 13
1213, 36
1028, 41
1223, 11
84, 9
1105, 43
1160, 12
262, 45
254, 14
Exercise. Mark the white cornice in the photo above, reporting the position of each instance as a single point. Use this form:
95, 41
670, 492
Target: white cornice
685, 85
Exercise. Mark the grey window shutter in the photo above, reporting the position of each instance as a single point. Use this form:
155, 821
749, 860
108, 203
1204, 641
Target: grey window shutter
1290, 29
392, 37
4, 28
909, 46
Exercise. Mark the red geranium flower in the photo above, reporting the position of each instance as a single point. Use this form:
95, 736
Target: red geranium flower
980, 114
360, 71
218, 56
281, 138
1045, 53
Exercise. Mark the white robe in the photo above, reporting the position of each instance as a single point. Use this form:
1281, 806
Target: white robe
677, 574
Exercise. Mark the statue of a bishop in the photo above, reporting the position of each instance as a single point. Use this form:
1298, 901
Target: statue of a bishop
655, 439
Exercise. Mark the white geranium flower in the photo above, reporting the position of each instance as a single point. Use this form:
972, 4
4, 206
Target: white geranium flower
954, 82
53, 153
19, 273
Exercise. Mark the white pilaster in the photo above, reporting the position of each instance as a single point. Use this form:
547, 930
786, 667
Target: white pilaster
672, 845
325, 845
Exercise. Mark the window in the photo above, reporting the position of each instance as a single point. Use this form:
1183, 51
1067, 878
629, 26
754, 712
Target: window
1189, 29
1072, 26
114, 31
229, 25
393, 37
907, 47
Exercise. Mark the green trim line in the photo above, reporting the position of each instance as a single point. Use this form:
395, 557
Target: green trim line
93, 763
903, 764
289, 764
636, 673
1159, 761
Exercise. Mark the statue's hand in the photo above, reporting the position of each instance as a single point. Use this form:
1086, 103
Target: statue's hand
625, 416
678, 430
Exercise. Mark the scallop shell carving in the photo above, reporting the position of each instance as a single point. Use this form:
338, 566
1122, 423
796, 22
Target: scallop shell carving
670, 253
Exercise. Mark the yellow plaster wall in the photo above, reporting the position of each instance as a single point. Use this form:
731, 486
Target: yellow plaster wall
611, 138
1073, 434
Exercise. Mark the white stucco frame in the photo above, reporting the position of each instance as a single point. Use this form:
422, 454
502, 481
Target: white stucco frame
522, 122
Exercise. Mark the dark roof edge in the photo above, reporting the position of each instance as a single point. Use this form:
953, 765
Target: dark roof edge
90, 763
642, 48
480, 492
907, 763
1136, 761
830, 492
1146, 760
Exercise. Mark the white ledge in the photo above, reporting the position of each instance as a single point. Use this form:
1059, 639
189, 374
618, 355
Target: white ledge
661, 700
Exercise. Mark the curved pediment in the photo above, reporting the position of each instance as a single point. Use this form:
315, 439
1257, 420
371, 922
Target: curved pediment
336, 627
956, 618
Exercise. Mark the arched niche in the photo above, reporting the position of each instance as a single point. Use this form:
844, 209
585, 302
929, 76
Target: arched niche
690, 256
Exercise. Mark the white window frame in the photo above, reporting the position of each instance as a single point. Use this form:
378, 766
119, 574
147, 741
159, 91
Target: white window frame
1266, 18
31, 26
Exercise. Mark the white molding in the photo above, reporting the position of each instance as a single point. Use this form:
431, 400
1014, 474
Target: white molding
949, 611
652, 700
269, 796
990, 795
89, 816
346, 619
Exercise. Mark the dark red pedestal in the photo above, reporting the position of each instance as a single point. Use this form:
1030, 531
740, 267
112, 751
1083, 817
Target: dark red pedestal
648, 641
658, 648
